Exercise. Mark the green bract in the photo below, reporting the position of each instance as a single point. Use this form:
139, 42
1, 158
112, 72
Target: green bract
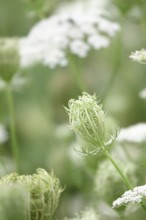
9, 58
87, 119
44, 192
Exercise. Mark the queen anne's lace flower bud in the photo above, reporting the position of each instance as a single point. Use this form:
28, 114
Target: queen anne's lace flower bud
9, 58
87, 119
44, 191
139, 56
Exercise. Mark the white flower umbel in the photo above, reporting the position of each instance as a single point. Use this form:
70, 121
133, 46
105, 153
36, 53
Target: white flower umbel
139, 56
75, 28
142, 94
135, 133
131, 196
3, 134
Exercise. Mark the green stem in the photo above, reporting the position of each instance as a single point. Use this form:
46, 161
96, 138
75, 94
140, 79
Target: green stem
124, 178
77, 73
12, 127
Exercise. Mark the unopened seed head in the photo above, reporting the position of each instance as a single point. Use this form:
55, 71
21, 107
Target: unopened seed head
87, 119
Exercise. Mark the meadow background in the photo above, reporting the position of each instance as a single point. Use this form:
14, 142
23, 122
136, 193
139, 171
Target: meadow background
44, 138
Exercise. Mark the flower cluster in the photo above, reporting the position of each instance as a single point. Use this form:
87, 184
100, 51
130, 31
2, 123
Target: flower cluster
134, 134
139, 56
131, 196
44, 192
74, 28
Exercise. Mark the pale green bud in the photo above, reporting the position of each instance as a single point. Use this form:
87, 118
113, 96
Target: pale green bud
44, 190
9, 58
87, 119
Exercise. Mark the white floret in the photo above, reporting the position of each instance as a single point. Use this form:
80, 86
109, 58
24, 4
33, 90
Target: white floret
131, 196
75, 27
135, 133
139, 56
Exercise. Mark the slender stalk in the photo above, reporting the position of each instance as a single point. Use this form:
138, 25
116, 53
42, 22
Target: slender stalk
77, 74
124, 178
12, 127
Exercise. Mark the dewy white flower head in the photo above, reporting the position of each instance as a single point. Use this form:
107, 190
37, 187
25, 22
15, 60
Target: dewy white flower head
3, 134
75, 28
142, 94
131, 196
139, 56
133, 134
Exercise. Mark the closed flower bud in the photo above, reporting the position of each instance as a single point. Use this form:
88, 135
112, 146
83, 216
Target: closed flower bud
9, 58
44, 192
87, 119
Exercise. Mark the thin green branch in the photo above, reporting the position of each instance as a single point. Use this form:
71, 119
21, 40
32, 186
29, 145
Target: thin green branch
124, 178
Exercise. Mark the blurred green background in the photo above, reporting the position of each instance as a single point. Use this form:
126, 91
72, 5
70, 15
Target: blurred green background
41, 121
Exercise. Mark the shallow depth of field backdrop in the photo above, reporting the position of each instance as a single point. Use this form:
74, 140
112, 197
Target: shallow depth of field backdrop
43, 135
